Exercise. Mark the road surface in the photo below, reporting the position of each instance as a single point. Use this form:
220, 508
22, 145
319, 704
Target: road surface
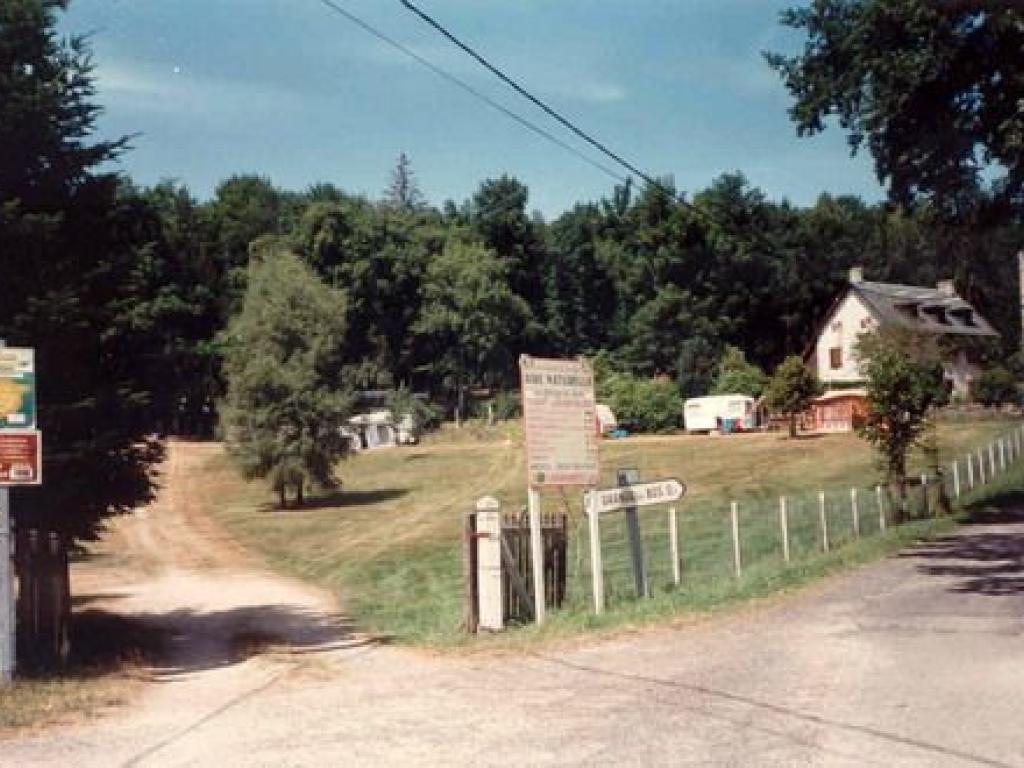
915, 661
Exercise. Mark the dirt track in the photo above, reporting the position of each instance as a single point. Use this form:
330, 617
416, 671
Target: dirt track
917, 661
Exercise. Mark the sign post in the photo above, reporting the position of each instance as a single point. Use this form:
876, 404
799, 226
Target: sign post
20, 464
560, 421
626, 478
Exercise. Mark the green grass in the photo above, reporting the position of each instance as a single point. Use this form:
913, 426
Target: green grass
389, 545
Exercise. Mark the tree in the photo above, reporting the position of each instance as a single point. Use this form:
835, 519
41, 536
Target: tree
996, 386
791, 389
286, 404
73, 274
737, 376
933, 89
403, 193
471, 325
904, 382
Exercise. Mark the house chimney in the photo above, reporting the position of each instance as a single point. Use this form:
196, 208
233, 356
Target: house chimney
946, 287
857, 274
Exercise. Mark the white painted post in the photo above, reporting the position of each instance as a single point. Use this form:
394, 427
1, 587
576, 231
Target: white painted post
970, 472
981, 467
736, 540
537, 555
856, 514
956, 479
924, 492
490, 602
881, 509
1002, 454
784, 526
673, 539
992, 460
596, 568
7, 624
824, 521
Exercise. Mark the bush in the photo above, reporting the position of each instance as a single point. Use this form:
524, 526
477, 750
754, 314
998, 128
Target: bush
643, 405
996, 386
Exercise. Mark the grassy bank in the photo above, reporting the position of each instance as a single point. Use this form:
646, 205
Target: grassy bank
389, 543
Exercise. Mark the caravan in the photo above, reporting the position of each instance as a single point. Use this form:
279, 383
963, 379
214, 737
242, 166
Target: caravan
729, 413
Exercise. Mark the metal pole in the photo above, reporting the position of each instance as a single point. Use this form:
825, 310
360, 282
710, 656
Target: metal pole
7, 620
537, 555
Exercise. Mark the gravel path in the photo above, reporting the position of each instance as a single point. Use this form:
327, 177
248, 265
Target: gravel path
915, 661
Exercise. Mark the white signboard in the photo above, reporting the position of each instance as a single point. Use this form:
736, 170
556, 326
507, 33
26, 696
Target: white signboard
560, 419
640, 495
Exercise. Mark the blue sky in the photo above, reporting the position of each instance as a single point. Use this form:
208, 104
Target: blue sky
288, 89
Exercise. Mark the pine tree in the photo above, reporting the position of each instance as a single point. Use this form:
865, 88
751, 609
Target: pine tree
403, 193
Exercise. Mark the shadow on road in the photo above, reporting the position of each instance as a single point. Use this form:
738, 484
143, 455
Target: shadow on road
987, 558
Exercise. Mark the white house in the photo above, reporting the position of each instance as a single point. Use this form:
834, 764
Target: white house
865, 305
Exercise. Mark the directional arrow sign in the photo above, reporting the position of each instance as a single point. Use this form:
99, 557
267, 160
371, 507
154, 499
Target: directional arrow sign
640, 495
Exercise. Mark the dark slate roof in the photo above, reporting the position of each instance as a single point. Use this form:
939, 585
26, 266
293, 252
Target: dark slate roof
922, 309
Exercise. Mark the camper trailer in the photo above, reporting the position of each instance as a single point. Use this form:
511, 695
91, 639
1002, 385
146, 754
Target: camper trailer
728, 413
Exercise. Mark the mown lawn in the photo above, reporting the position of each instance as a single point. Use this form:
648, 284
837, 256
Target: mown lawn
389, 542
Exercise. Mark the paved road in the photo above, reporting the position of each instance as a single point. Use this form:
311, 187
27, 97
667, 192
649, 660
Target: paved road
916, 661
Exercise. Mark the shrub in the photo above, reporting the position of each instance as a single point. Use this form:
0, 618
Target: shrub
996, 386
643, 405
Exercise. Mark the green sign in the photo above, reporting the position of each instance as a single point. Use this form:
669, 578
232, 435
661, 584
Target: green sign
17, 388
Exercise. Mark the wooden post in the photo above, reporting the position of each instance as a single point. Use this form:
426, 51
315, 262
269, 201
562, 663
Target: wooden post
881, 509
1002, 454
596, 572
991, 460
471, 605
784, 527
537, 555
673, 541
854, 511
924, 493
736, 557
981, 467
970, 472
956, 479
824, 521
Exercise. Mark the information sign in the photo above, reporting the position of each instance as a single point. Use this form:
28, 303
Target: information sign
21, 453
640, 495
17, 388
560, 418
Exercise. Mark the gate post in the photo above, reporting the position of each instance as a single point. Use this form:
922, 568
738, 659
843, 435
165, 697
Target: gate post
488, 558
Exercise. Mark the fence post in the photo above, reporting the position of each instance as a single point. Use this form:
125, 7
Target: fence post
673, 539
491, 605
856, 513
991, 460
824, 521
924, 494
881, 509
956, 479
536, 554
981, 467
596, 572
784, 526
471, 606
970, 472
736, 557
1002, 454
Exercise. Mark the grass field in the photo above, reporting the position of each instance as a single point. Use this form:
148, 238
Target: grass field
389, 542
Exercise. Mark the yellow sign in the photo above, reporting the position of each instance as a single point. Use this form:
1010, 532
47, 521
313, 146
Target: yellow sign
560, 420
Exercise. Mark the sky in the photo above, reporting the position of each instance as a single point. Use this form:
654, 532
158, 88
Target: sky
291, 90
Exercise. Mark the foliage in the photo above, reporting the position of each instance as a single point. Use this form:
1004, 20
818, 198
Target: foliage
933, 89
78, 285
904, 383
642, 404
403, 193
402, 402
285, 405
997, 386
737, 376
698, 361
791, 389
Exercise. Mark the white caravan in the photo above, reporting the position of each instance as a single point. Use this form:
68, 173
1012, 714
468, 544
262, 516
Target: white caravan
705, 414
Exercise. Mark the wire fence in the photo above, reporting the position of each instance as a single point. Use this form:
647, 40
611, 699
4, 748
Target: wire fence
698, 543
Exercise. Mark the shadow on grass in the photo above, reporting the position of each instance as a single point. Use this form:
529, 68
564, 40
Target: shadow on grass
339, 499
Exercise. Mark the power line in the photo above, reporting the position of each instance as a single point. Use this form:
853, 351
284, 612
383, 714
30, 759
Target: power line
600, 146
526, 123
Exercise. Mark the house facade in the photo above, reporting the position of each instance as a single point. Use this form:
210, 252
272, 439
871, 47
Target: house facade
865, 306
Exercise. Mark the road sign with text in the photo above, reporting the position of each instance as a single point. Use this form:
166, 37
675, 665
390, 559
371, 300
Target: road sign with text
640, 495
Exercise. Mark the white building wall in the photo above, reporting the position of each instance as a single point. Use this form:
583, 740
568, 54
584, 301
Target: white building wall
961, 373
850, 319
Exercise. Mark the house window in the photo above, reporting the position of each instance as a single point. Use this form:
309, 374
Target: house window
835, 358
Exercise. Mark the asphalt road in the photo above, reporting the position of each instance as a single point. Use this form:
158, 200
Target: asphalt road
915, 661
